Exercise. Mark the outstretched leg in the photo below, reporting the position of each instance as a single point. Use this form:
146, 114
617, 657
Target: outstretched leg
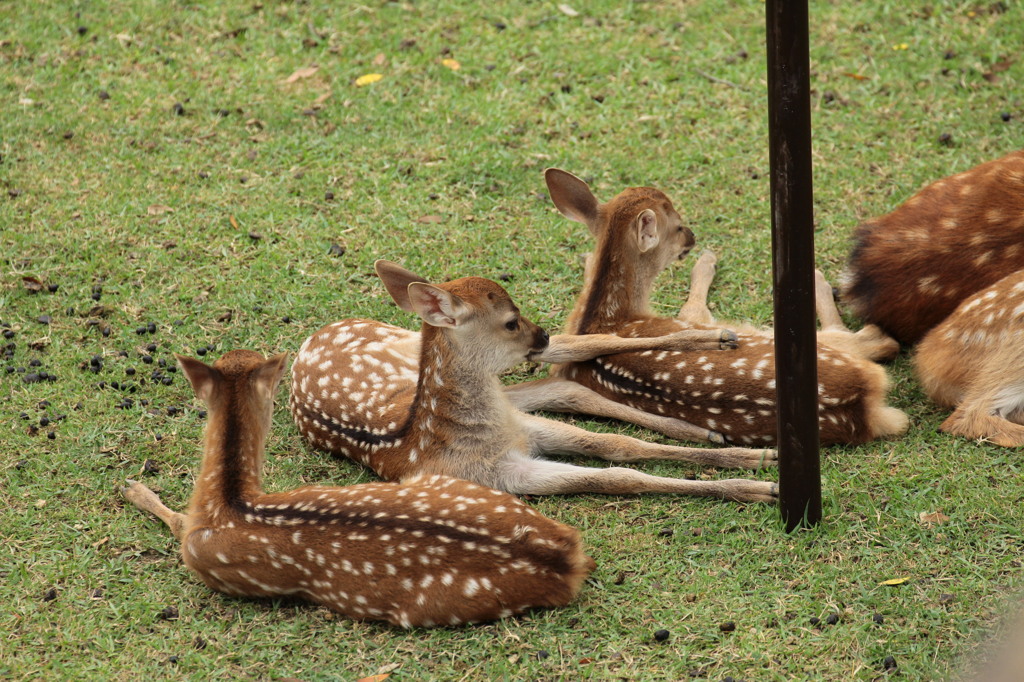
583, 347
558, 437
555, 394
148, 501
695, 309
542, 477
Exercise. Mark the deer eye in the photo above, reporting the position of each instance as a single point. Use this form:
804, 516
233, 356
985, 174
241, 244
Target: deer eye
512, 324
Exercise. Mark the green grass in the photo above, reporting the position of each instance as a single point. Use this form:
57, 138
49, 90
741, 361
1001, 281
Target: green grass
440, 169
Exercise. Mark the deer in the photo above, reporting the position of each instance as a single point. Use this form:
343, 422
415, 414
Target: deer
973, 361
909, 269
638, 235
408, 404
429, 550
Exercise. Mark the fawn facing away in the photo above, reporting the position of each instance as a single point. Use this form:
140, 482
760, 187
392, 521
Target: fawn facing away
406, 404
431, 550
639, 234
974, 361
911, 268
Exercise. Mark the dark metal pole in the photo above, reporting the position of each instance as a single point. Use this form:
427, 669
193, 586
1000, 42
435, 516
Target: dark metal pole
789, 140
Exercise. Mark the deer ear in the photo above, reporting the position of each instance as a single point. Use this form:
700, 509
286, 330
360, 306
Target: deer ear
397, 280
200, 375
646, 230
572, 197
267, 376
436, 306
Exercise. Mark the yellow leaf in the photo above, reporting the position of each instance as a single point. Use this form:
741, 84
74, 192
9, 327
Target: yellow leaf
299, 74
451, 64
933, 519
234, 223
894, 581
368, 78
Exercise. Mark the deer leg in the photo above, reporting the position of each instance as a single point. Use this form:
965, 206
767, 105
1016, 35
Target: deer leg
148, 501
583, 347
870, 342
991, 412
541, 477
547, 435
555, 394
695, 310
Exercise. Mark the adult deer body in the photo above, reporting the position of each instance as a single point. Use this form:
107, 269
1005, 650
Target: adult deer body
407, 405
431, 550
974, 361
639, 234
911, 268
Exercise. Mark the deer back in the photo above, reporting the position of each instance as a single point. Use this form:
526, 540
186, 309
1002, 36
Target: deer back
352, 390
732, 391
429, 551
980, 345
911, 268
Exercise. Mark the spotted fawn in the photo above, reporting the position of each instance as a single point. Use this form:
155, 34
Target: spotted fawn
410, 404
911, 268
732, 393
430, 550
974, 361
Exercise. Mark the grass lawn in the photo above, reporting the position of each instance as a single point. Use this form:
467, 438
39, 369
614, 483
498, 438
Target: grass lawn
186, 177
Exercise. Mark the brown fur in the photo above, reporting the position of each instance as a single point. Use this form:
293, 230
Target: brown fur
432, 550
406, 404
909, 269
731, 392
974, 361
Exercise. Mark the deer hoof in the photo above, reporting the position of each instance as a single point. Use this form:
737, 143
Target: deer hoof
716, 438
727, 340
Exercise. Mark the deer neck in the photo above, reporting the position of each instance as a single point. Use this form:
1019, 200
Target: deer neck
452, 387
616, 289
233, 455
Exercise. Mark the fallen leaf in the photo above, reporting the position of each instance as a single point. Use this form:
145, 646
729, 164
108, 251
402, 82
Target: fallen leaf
32, 285
302, 73
101, 542
234, 223
894, 581
373, 678
1002, 65
568, 11
40, 504
321, 99
933, 519
451, 64
368, 78
429, 219
857, 76
380, 59
158, 209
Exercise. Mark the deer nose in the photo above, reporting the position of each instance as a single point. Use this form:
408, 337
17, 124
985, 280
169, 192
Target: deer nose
540, 340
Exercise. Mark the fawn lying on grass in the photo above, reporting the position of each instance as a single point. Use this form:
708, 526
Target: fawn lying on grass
909, 269
974, 361
431, 550
639, 234
432, 403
